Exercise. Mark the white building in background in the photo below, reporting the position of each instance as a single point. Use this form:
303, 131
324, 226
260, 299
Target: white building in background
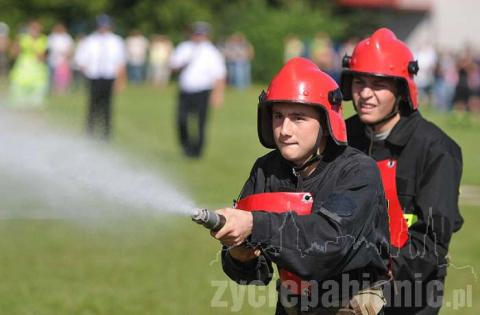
447, 24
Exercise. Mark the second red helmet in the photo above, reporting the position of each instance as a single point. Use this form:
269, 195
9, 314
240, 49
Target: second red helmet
382, 54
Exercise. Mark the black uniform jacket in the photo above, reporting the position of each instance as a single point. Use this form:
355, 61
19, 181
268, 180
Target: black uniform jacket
429, 168
347, 232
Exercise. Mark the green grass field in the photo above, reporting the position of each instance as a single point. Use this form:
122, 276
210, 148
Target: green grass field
166, 264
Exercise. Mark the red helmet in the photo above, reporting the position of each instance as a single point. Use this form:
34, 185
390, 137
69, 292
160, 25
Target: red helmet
382, 54
301, 81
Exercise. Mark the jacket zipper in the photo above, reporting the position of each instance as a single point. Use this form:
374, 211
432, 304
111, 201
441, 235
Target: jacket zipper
299, 186
370, 146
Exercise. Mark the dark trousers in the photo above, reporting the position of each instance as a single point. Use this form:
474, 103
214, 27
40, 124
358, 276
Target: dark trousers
191, 119
100, 107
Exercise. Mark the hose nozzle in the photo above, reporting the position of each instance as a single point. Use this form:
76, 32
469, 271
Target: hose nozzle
209, 219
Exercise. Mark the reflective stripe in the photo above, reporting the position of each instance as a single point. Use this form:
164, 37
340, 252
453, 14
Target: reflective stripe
411, 218
398, 224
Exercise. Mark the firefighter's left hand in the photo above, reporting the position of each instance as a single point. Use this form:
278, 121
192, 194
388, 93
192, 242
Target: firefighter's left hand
237, 228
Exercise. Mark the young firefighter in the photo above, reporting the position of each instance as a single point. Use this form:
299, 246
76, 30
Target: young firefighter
420, 166
332, 258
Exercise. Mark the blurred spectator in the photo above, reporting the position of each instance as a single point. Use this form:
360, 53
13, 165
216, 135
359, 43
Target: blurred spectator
445, 81
427, 59
474, 82
137, 49
29, 75
202, 78
347, 47
60, 49
238, 53
4, 43
324, 56
102, 57
160, 50
78, 77
293, 47
466, 68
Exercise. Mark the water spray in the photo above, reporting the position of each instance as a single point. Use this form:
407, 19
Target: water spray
209, 219
67, 176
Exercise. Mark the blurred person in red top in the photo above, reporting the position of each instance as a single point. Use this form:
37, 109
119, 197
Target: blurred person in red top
60, 51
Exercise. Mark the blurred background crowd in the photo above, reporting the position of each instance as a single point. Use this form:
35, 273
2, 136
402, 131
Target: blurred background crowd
38, 56
42, 61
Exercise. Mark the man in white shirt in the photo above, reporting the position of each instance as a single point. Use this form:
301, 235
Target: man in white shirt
202, 80
101, 57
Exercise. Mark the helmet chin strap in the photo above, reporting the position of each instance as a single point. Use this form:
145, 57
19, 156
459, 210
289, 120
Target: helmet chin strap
393, 113
314, 157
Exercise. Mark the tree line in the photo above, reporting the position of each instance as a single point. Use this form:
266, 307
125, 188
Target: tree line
264, 22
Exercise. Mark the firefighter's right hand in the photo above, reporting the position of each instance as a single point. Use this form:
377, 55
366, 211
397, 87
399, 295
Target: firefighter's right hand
238, 226
243, 253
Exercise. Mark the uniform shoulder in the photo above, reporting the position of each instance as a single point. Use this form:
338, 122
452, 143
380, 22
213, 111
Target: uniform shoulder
354, 165
271, 163
268, 158
435, 137
356, 159
353, 154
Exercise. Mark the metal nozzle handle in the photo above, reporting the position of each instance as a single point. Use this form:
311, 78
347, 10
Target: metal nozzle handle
209, 219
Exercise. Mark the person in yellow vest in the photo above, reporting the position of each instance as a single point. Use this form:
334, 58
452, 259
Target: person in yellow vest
29, 75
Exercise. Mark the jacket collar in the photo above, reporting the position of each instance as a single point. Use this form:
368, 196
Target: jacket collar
404, 129
331, 152
399, 135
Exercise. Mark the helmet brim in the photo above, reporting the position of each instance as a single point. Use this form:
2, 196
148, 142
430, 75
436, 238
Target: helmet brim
335, 124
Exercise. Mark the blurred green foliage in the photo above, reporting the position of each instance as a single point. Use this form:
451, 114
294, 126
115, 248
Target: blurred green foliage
264, 22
